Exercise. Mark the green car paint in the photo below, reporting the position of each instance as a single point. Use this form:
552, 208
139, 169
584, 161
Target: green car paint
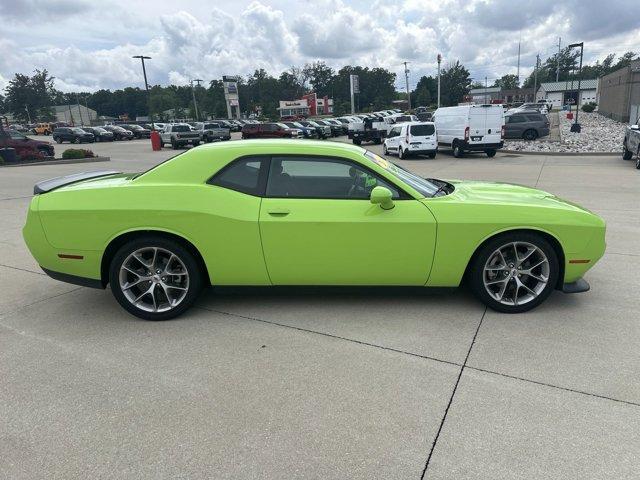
242, 239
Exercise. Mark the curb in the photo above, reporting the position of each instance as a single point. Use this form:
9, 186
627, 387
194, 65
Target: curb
562, 154
59, 162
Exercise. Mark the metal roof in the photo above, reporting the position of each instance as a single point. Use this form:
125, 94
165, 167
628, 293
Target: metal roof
476, 91
590, 84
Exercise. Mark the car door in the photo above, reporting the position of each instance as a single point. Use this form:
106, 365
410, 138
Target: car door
393, 139
514, 127
318, 226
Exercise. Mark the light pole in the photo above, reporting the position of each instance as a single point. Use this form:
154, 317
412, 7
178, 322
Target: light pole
193, 94
439, 61
146, 86
576, 126
406, 79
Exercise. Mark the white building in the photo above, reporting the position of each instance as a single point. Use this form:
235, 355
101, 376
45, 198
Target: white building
483, 95
561, 93
74, 114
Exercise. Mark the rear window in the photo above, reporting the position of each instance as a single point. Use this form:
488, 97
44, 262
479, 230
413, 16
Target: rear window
422, 130
180, 128
211, 125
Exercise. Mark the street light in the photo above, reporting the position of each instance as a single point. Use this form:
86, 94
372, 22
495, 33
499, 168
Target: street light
193, 93
146, 86
576, 126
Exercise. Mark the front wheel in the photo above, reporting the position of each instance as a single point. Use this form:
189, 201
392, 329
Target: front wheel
401, 153
384, 149
457, 150
490, 153
155, 278
638, 161
626, 153
530, 135
432, 155
357, 141
514, 272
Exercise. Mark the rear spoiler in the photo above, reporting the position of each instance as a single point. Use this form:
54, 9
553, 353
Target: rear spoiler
53, 183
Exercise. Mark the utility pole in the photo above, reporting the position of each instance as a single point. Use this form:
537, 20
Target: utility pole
26, 107
146, 86
79, 111
439, 61
193, 93
518, 74
535, 78
558, 66
485, 90
406, 79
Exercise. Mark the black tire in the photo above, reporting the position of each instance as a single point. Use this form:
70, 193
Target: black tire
490, 153
626, 154
530, 135
58, 140
401, 154
638, 161
174, 145
457, 150
477, 264
377, 141
76, 140
195, 144
195, 280
432, 155
384, 149
357, 141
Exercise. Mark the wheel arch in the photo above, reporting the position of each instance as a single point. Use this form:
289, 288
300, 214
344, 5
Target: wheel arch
119, 240
552, 239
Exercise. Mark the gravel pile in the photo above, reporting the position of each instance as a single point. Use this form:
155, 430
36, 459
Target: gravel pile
599, 134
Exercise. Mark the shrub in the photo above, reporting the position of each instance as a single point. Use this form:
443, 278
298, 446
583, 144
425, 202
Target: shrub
72, 153
589, 107
32, 156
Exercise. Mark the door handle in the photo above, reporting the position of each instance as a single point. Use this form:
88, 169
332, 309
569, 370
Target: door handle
278, 212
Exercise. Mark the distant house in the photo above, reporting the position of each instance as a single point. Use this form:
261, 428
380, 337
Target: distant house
74, 114
566, 92
483, 95
619, 93
515, 95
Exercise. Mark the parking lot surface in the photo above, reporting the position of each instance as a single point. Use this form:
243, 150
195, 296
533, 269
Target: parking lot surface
332, 383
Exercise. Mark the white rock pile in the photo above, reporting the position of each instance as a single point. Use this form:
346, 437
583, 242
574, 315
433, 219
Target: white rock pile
599, 134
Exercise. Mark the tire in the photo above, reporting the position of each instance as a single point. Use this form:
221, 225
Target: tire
357, 141
377, 141
76, 140
530, 135
195, 144
432, 155
626, 154
384, 149
183, 288
490, 153
638, 160
547, 269
174, 145
457, 150
58, 140
401, 154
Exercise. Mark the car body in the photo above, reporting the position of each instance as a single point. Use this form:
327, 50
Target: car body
23, 145
119, 133
284, 212
306, 132
210, 131
18, 128
178, 135
100, 134
323, 131
631, 143
269, 130
137, 130
525, 124
470, 128
44, 128
72, 135
336, 129
412, 138
538, 106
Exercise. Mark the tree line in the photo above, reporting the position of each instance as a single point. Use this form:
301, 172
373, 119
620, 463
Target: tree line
34, 96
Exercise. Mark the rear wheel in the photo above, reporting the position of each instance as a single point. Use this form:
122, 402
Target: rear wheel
174, 145
195, 144
457, 150
432, 155
638, 159
155, 278
490, 153
530, 134
401, 153
58, 140
357, 141
514, 272
626, 153
384, 149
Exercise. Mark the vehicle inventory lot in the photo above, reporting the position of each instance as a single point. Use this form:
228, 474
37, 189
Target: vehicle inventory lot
329, 383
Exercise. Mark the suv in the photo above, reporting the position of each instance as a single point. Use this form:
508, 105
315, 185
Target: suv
119, 133
72, 135
631, 143
307, 132
412, 138
137, 130
323, 131
100, 134
23, 145
212, 131
528, 125
178, 135
269, 130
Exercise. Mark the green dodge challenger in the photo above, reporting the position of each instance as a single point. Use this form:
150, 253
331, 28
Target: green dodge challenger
285, 212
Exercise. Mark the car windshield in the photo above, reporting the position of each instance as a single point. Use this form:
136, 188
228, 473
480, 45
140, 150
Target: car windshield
99, 130
299, 125
15, 135
180, 128
211, 125
282, 125
78, 130
423, 186
135, 127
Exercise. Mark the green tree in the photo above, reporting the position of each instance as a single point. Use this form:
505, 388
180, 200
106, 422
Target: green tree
320, 77
426, 91
34, 93
455, 82
507, 82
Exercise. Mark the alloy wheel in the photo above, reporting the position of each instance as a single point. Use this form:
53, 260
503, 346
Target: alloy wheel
154, 279
516, 273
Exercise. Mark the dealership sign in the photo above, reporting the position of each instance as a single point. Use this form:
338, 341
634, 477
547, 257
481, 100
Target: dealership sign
294, 103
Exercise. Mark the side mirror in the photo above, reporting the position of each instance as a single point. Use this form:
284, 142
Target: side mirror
634, 127
382, 196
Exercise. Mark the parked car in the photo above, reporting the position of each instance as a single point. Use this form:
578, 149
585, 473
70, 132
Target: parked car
23, 145
305, 213
119, 133
538, 107
413, 138
470, 128
44, 128
137, 130
631, 143
100, 134
306, 132
526, 124
212, 131
323, 131
179, 135
269, 130
72, 135
18, 127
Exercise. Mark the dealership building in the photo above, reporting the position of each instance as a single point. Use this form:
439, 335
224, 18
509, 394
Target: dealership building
309, 105
566, 92
619, 94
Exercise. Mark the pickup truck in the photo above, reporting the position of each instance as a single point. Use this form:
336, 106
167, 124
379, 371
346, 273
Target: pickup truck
178, 135
369, 130
212, 131
631, 143
23, 145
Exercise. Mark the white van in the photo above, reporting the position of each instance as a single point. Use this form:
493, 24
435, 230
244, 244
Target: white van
412, 138
470, 128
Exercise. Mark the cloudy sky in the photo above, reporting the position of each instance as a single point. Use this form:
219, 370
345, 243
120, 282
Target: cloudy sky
88, 44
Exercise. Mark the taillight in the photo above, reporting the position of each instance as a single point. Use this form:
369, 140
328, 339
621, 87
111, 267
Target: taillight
502, 132
466, 134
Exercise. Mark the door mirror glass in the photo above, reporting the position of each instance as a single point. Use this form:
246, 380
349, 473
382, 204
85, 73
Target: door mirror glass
382, 196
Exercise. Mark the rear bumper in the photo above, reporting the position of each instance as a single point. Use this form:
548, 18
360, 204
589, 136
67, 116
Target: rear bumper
579, 286
481, 147
74, 279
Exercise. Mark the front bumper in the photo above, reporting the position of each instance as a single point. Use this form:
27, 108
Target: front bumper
579, 286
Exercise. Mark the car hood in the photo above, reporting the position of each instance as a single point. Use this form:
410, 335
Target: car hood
508, 193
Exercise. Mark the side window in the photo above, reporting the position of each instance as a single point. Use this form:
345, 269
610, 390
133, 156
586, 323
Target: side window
516, 119
315, 177
245, 175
